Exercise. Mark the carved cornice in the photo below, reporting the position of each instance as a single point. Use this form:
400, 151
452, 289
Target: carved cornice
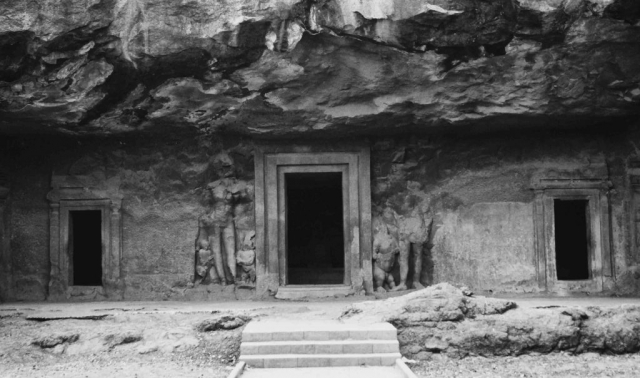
582, 183
81, 188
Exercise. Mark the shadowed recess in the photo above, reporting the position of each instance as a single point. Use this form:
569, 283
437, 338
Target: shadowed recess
315, 237
572, 252
85, 247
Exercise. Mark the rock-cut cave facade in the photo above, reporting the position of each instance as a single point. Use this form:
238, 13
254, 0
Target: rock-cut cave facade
205, 150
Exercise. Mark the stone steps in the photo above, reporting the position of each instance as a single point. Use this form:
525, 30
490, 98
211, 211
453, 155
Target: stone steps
286, 344
316, 330
332, 372
320, 347
319, 360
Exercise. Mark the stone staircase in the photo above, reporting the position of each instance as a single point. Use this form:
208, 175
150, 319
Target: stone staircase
288, 344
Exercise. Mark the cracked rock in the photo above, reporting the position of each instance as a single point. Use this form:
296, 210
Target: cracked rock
51, 341
441, 319
226, 322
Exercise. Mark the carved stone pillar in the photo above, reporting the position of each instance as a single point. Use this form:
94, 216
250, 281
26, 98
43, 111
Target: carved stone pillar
57, 283
635, 216
115, 254
6, 271
539, 239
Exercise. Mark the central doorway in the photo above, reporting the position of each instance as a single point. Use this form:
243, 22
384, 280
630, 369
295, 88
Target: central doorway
303, 195
315, 228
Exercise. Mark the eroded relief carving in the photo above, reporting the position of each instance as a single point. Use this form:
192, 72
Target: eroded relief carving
225, 233
398, 240
385, 251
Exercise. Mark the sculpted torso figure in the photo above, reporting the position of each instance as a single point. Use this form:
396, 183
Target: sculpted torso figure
402, 236
219, 225
413, 233
385, 250
245, 236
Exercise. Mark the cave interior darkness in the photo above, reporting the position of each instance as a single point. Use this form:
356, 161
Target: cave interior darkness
315, 236
85, 247
571, 232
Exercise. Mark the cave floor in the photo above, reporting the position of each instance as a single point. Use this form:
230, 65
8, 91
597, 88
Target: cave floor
162, 339
322, 309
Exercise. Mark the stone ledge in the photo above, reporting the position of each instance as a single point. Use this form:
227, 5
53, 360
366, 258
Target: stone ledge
320, 347
320, 360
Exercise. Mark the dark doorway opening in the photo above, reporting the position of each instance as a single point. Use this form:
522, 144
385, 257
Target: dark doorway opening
572, 247
85, 247
315, 234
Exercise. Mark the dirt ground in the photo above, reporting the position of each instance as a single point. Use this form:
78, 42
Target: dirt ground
148, 346
168, 339
554, 365
133, 339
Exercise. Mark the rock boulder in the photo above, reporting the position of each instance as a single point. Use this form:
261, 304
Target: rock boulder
445, 319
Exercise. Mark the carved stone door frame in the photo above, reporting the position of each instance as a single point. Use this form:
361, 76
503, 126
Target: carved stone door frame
272, 161
77, 193
6, 272
596, 193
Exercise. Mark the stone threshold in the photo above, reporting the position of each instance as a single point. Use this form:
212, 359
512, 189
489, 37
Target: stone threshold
296, 292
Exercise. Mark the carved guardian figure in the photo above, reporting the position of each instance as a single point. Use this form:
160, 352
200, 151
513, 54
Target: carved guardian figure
218, 228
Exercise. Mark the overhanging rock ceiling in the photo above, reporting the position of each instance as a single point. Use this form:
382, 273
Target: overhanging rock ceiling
286, 68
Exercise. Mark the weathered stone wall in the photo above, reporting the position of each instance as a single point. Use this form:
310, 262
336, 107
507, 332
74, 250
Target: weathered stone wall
471, 194
29, 219
163, 183
477, 190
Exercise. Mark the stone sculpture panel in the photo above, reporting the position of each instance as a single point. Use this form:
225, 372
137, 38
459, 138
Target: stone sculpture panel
398, 241
225, 232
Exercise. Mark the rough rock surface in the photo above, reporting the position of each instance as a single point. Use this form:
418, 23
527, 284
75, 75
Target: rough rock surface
447, 320
587, 365
121, 344
224, 322
315, 66
50, 341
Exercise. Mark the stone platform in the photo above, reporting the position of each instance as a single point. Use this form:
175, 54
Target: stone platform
333, 372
